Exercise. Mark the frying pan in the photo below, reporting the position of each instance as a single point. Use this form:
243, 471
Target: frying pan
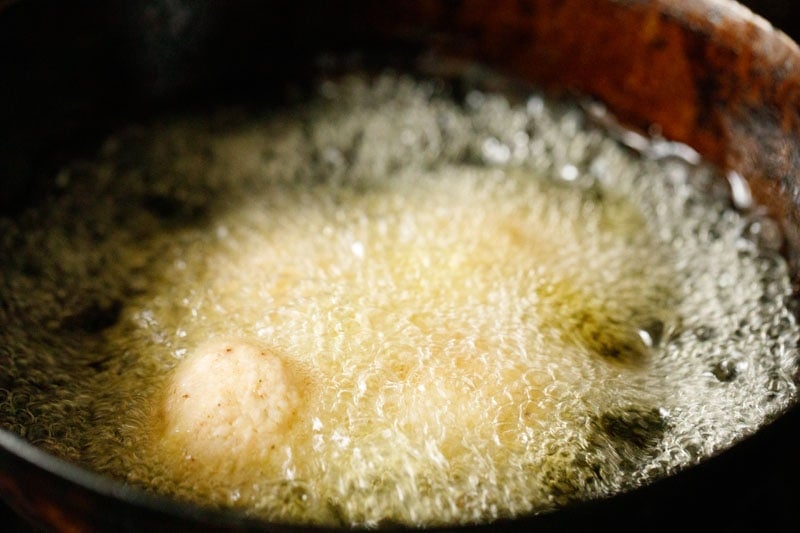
707, 72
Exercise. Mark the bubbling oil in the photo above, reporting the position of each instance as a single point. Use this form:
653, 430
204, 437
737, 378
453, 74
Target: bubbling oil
388, 306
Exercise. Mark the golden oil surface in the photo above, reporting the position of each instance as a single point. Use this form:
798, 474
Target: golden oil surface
388, 306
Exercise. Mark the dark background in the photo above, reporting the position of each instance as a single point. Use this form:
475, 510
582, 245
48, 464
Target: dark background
775, 493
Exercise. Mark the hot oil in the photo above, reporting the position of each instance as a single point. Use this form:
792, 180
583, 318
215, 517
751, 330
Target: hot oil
386, 305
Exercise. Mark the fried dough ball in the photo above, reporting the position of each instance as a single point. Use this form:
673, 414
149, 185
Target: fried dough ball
229, 399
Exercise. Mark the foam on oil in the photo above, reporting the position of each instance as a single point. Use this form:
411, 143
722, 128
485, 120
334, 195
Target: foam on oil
389, 306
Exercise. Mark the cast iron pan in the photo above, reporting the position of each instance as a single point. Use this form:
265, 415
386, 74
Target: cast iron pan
707, 71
